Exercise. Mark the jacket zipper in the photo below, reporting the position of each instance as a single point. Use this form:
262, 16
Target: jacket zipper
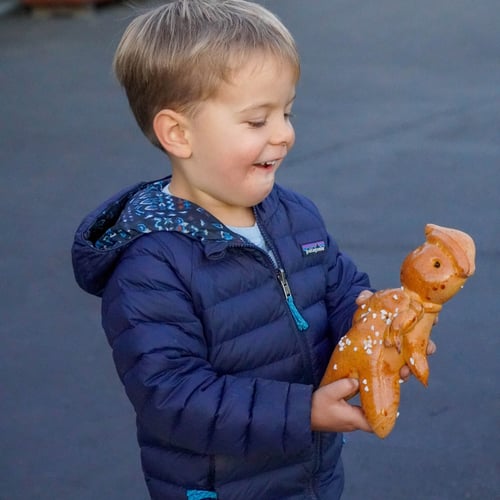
299, 320
301, 323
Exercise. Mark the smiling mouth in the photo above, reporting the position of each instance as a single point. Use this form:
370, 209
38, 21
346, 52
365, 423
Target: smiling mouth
266, 164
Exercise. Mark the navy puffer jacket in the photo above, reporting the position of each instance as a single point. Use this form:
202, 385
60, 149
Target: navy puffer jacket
219, 347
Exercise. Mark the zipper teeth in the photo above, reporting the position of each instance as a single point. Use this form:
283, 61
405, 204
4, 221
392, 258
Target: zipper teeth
297, 317
317, 463
299, 320
277, 265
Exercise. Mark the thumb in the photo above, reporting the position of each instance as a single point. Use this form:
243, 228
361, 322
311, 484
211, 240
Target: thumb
363, 297
346, 387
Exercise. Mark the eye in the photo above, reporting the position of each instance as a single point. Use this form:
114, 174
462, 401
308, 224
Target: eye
289, 116
257, 124
437, 264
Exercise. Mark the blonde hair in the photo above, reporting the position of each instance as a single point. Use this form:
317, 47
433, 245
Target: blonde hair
176, 55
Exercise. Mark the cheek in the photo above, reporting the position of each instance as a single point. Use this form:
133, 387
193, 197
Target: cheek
247, 147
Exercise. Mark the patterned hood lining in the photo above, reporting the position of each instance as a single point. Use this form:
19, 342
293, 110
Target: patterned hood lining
150, 209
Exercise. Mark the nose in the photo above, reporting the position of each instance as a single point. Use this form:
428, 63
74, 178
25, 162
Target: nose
283, 133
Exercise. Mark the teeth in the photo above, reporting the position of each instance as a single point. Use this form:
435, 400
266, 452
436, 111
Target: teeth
267, 163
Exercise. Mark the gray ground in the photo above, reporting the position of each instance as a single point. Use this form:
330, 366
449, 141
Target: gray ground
398, 124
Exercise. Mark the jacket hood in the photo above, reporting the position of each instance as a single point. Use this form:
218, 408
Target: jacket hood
143, 208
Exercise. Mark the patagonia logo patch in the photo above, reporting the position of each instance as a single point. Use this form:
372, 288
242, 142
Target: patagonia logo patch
314, 247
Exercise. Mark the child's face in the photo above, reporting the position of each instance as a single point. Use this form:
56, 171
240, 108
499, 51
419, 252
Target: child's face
239, 139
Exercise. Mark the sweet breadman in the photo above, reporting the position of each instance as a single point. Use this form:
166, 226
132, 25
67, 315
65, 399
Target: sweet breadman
391, 328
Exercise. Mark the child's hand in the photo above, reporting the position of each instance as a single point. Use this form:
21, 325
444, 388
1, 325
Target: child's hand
405, 372
330, 412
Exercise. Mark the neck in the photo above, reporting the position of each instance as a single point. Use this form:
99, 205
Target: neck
229, 215
236, 216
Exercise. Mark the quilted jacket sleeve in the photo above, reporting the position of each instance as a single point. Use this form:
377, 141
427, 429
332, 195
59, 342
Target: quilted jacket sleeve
344, 285
161, 356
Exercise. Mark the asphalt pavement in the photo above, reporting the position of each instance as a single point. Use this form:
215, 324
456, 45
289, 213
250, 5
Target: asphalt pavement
398, 125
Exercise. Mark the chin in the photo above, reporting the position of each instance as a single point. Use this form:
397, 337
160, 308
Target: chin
262, 195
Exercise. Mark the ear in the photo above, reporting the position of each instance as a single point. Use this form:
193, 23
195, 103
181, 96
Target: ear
170, 128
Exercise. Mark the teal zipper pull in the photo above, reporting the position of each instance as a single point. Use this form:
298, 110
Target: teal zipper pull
301, 323
200, 495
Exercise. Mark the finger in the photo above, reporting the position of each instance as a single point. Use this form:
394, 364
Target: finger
358, 419
363, 297
345, 387
404, 373
341, 389
431, 348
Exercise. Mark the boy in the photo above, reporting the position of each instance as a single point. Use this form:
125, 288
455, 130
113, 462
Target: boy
222, 293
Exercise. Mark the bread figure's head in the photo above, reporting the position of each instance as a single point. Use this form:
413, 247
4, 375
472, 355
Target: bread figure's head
438, 269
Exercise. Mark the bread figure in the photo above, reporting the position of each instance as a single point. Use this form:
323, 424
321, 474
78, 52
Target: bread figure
392, 327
